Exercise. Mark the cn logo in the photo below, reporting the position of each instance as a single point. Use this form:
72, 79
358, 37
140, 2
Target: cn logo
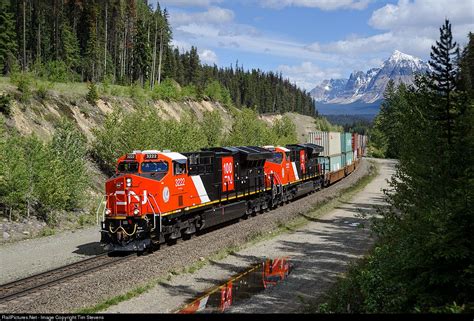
227, 173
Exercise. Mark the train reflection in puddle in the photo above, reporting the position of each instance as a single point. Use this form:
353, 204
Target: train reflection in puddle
241, 287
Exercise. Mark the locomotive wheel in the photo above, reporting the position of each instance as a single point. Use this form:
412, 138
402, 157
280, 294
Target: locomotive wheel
186, 237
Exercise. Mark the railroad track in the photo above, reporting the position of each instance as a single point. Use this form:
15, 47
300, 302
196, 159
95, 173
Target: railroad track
28, 285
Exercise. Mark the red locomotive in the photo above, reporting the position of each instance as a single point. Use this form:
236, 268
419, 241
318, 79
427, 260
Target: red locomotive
158, 197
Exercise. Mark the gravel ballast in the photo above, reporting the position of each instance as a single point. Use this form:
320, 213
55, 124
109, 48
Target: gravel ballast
106, 283
28, 257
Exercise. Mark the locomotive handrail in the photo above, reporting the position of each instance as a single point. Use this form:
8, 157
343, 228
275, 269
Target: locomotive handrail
154, 215
101, 201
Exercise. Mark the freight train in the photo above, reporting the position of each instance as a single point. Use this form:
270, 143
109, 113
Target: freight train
158, 197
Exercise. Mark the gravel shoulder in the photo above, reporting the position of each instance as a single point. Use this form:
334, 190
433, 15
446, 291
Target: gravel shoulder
32, 256
101, 285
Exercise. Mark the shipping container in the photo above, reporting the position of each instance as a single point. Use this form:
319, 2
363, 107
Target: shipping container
346, 142
330, 163
355, 141
355, 155
331, 141
347, 158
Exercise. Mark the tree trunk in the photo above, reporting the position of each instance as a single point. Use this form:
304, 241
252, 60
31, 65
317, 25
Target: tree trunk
24, 35
39, 35
161, 54
153, 68
105, 42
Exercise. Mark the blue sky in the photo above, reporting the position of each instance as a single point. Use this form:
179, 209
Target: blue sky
312, 40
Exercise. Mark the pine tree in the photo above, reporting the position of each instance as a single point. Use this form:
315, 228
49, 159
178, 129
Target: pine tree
8, 37
193, 67
70, 51
91, 56
444, 57
423, 261
467, 67
141, 55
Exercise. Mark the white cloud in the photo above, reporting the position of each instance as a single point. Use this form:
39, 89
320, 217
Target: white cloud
213, 15
320, 4
409, 26
415, 24
422, 13
181, 45
307, 75
220, 36
208, 57
188, 3
376, 45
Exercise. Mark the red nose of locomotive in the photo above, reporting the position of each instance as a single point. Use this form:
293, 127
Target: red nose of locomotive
124, 196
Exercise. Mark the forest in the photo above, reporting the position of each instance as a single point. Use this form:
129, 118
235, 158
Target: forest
422, 261
127, 43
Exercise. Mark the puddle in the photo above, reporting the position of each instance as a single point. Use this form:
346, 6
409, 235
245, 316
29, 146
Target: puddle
240, 287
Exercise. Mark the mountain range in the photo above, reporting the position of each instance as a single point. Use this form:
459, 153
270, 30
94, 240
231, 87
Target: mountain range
363, 91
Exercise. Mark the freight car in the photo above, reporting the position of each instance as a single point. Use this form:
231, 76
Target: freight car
161, 196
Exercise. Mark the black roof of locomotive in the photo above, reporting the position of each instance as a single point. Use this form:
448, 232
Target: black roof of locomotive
312, 149
247, 152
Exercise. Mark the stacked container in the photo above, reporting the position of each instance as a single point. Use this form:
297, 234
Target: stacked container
331, 159
331, 141
346, 149
362, 145
355, 145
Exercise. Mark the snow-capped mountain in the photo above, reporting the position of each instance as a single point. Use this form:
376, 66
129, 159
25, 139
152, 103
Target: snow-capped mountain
369, 87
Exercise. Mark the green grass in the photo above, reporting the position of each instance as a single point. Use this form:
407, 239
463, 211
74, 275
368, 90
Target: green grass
116, 300
316, 211
47, 231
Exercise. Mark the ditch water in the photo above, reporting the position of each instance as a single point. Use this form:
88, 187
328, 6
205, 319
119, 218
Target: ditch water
240, 287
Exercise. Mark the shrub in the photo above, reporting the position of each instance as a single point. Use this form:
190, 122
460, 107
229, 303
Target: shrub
106, 83
23, 82
5, 104
167, 90
189, 92
213, 91
57, 71
92, 95
43, 89
137, 93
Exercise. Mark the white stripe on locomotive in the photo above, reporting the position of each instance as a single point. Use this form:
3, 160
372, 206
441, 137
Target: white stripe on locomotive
295, 171
200, 189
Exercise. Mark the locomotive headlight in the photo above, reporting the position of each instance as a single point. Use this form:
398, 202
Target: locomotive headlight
108, 211
136, 211
129, 182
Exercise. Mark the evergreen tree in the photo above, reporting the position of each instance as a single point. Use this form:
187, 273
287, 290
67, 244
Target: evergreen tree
467, 67
70, 51
444, 57
8, 37
91, 56
141, 55
423, 259
193, 64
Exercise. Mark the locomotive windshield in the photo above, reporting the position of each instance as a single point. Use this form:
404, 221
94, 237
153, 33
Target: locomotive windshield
127, 167
277, 158
154, 167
